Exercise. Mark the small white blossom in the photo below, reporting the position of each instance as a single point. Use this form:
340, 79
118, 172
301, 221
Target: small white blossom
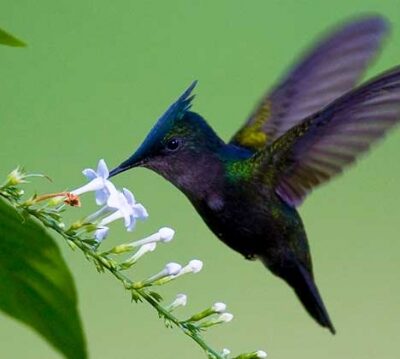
222, 318
261, 354
225, 318
194, 266
225, 352
99, 183
145, 248
171, 269
125, 207
218, 307
180, 301
166, 234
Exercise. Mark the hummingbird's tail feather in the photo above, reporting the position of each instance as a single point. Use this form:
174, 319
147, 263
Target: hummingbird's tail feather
302, 282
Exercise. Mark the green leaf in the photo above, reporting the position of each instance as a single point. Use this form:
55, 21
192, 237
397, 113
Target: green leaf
10, 40
36, 286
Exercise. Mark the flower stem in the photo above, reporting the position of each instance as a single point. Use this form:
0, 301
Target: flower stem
104, 261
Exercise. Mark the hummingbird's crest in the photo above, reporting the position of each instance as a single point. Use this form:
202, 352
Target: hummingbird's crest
177, 110
156, 135
174, 113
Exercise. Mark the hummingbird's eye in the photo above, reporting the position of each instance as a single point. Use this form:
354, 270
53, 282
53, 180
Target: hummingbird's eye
173, 144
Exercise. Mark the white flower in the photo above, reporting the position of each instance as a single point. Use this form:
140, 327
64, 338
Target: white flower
218, 307
225, 318
222, 318
169, 270
180, 301
125, 207
166, 234
194, 266
261, 354
172, 268
146, 248
225, 352
99, 183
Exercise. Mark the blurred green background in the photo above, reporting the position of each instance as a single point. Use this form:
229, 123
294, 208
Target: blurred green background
95, 77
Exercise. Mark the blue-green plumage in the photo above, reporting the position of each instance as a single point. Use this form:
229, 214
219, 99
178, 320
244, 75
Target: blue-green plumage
303, 133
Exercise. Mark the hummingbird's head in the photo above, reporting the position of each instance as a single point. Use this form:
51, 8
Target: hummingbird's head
179, 147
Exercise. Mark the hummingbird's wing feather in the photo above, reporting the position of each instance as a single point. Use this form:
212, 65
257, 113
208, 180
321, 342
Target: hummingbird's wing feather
322, 145
328, 70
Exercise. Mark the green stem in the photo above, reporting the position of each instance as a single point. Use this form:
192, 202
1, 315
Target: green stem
106, 263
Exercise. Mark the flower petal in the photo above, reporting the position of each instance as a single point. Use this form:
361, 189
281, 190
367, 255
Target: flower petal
130, 223
139, 211
129, 196
114, 201
89, 173
102, 170
103, 194
101, 197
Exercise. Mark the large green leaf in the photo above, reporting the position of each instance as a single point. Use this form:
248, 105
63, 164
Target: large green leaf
10, 40
36, 286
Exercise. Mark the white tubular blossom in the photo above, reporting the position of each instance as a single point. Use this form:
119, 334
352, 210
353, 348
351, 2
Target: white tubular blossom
180, 301
225, 352
194, 266
164, 235
261, 354
146, 248
170, 269
225, 318
218, 307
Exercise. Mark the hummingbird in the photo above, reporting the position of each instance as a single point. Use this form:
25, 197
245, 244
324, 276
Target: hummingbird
312, 125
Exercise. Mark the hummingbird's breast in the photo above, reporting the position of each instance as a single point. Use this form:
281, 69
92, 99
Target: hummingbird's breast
246, 218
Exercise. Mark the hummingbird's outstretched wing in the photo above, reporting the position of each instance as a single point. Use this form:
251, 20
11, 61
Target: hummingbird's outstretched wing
322, 145
325, 72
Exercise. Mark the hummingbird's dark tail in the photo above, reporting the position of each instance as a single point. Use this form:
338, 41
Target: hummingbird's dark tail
302, 282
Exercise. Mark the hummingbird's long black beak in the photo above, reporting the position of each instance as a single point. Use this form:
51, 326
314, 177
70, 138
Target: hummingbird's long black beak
131, 162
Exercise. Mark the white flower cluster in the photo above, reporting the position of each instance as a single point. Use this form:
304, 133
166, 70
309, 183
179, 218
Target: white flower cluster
115, 204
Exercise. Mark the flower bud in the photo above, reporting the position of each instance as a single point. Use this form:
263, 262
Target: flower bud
218, 307
195, 265
145, 248
166, 234
225, 317
261, 354
172, 268
225, 352
169, 270
180, 301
